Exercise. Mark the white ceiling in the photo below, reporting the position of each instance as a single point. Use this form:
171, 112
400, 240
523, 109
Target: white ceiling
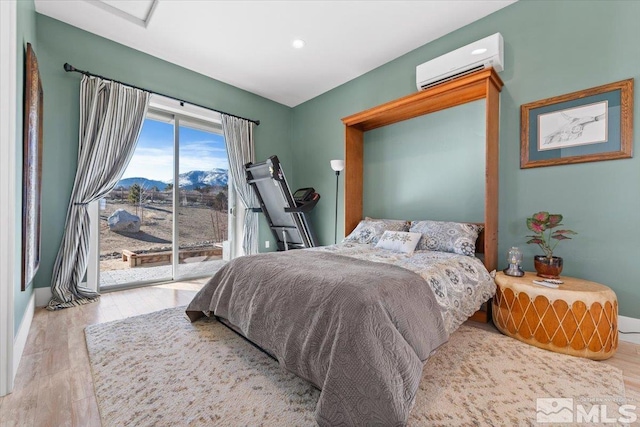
248, 43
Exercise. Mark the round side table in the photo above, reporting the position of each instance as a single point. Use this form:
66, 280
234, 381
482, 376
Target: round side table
579, 318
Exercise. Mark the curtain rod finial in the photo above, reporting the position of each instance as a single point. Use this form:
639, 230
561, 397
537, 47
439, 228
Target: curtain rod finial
68, 67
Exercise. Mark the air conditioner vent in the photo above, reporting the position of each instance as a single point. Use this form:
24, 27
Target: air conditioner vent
452, 76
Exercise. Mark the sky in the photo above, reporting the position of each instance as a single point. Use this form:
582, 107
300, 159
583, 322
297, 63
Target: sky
153, 158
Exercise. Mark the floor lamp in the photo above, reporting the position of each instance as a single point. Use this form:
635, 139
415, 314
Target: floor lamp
337, 165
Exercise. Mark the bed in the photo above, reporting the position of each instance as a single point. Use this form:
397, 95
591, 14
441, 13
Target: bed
357, 319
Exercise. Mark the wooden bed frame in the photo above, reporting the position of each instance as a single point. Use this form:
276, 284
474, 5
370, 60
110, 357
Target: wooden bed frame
485, 84
484, 314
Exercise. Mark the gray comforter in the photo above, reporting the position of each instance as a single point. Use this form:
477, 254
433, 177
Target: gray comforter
359, 331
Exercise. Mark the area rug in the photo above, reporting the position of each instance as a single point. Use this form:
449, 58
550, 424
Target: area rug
160, 370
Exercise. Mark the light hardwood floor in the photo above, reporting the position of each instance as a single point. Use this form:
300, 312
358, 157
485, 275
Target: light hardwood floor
54, 387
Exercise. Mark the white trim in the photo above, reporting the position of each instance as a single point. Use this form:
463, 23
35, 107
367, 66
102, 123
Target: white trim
20, 340
144, 23
629, 324
186, 110
43, 295
175, 236
8, 101
231, 221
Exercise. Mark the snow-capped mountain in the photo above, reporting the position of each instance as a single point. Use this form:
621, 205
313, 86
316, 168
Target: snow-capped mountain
192, 179
142, 182
188, 180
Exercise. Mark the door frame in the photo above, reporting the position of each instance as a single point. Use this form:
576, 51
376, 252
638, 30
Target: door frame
8, 141
177, 111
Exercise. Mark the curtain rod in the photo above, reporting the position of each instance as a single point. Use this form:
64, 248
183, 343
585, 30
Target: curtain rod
70, 68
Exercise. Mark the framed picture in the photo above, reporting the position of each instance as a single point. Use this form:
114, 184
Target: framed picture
585, 126
31, 169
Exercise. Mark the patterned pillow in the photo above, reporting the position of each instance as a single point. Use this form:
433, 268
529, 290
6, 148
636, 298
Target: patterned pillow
459, 238
392, 223
399, 241
370, 230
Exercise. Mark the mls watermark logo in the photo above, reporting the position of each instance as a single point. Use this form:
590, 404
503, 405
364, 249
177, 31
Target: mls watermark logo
588, 410
554, 410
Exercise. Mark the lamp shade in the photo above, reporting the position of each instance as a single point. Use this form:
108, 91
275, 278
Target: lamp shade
337, 165
514, 256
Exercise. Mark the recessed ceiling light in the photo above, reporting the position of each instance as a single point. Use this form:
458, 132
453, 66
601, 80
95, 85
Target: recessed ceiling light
479, 51
298, 43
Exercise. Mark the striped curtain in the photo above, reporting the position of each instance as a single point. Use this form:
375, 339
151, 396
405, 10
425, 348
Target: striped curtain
111, 117
238, 135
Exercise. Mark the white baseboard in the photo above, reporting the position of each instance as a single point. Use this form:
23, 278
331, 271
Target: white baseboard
43, 296
20, 339
629, 324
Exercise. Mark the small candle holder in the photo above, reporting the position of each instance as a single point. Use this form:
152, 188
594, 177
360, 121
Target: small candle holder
514, 258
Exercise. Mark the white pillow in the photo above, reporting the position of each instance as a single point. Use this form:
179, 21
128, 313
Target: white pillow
399, 241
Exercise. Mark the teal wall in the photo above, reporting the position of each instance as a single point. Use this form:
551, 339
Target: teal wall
551, 48
26, 33
432, 157
59, 43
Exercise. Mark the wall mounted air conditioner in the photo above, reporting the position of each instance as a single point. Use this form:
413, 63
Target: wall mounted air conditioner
473, 57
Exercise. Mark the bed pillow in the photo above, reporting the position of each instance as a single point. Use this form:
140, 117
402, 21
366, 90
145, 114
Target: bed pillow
399, 241
370, 230
400, 224
457, 237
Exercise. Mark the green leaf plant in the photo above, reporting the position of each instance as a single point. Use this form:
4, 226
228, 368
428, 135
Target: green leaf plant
543, 224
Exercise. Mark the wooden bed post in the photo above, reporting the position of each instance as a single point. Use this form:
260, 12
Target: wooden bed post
354, 149
492, 173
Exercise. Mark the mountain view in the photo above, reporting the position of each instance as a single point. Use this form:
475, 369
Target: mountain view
187, 180
142, 182
215, 177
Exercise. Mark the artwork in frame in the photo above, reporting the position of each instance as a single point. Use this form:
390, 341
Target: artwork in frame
32, 168
585, 126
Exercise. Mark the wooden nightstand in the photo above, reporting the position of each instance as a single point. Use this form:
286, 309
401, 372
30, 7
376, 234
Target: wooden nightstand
579, 318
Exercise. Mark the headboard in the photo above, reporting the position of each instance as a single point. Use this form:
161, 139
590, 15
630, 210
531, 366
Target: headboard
483, 84
480, 249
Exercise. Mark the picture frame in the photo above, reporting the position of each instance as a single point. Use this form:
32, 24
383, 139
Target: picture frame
31, 168
585, 126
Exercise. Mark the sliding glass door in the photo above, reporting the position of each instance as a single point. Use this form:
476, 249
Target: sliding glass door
136, 217
202, 199
167, 217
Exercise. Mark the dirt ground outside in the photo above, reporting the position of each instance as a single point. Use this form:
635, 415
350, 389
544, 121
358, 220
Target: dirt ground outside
198, 227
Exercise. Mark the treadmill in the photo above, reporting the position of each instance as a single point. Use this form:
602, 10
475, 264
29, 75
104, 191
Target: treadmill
286, 213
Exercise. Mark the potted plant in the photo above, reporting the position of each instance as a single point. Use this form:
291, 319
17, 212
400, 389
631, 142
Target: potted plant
543, 225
